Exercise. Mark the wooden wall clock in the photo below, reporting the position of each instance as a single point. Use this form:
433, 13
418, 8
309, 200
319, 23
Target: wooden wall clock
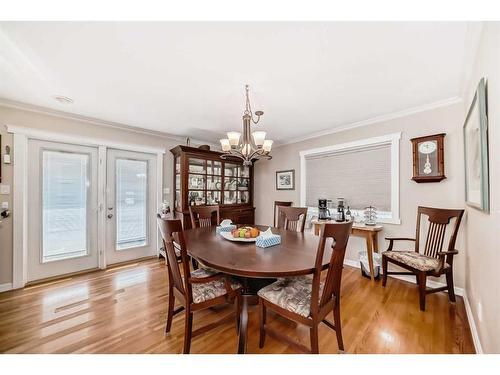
428, 158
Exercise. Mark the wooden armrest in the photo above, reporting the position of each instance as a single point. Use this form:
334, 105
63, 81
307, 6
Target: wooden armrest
392, 239
443, 253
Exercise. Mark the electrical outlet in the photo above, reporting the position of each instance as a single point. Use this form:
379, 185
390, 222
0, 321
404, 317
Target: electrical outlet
4, 189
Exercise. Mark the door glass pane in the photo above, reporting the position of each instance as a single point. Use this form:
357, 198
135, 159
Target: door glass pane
65, 182
131, 203
197, 166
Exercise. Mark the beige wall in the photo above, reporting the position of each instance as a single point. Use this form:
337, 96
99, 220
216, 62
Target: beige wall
483, 252
447, 193
10, 116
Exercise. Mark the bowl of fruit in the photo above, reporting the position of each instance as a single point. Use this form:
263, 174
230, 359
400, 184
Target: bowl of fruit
243, 234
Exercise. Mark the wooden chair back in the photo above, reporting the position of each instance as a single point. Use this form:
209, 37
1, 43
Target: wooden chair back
294, 218
279, 220
339, 233
205, 216
439, 222
171, 230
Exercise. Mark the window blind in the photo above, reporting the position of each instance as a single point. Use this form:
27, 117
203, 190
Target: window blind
362, 176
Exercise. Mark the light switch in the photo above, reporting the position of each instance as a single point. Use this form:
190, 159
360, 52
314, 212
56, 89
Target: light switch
4, 189
6, 159
166, 191
5, 205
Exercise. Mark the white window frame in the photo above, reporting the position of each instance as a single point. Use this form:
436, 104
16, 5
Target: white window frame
389, 217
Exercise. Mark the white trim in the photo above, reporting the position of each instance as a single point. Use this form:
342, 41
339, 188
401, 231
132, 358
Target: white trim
45, 135
5, 287
373, 120
159, 193
472, 324
20, 217
408, 278
392, 138
94, 121
101, 197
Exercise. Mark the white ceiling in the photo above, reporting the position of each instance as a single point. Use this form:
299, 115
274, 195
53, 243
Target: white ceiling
188, 78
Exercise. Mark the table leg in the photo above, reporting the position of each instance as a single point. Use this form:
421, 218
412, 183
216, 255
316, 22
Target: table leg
317, 228
369, 250
242, 333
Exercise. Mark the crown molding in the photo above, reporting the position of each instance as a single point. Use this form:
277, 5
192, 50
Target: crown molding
95, 121
374, 120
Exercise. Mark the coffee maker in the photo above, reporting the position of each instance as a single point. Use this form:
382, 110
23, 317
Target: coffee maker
340, 210
323, 211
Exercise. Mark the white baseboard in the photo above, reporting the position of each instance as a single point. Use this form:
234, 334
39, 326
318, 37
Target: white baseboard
408, 278
5, 287
472, 325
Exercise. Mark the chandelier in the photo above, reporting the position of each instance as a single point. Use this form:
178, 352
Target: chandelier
252, 145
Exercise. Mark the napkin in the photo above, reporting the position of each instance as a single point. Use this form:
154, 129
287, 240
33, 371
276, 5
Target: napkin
267, 239
226, 225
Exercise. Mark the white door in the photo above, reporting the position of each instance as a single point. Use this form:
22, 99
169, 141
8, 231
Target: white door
62, 209
131, 206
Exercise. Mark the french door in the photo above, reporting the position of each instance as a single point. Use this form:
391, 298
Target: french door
62, 209
67, 204
131, 199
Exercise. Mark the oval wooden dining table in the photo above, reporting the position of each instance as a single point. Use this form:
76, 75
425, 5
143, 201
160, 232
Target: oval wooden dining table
295, 256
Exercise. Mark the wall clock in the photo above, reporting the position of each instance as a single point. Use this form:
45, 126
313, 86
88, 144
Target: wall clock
428, 158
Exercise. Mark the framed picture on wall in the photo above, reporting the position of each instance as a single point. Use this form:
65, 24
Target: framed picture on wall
476, 151
285, 180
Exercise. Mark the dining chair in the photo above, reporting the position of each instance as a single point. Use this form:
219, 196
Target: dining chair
433, 261
278, 204
294, 218
197, 290
308, 300
204, 216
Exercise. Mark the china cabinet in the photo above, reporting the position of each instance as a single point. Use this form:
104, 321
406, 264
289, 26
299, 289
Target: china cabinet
201, 177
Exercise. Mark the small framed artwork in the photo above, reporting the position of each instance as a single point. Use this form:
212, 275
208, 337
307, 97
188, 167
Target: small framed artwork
476, 151
285, 180
428, 158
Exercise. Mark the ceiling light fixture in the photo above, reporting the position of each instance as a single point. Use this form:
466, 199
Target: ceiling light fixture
63, 99
253, 145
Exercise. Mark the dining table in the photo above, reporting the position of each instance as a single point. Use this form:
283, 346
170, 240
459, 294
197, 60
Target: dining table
255, 267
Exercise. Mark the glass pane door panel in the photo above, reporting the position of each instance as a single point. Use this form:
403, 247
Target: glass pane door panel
65, 185
178, 181
196, 198
231, 170
244, 171
177, 165
131, 203
177, 202
214, 183
230, 197
243, 183
230, 183
213, 197
243, 197
196, 182
214, 167
197, 165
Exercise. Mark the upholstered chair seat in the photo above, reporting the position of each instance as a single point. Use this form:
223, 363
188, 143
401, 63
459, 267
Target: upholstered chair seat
415, 260
206, 291
292, 294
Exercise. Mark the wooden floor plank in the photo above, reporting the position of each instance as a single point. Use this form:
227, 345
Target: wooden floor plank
123, 310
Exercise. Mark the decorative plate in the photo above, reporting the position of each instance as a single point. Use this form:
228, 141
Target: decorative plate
229, 236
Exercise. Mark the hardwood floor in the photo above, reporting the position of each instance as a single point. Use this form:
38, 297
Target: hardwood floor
123, 310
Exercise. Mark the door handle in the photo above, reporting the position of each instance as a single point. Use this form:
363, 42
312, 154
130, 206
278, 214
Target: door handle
110, 216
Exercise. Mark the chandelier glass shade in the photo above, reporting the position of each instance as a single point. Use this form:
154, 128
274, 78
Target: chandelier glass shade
248, 145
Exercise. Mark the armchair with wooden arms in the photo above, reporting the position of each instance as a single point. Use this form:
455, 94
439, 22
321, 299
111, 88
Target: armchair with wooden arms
434, 261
